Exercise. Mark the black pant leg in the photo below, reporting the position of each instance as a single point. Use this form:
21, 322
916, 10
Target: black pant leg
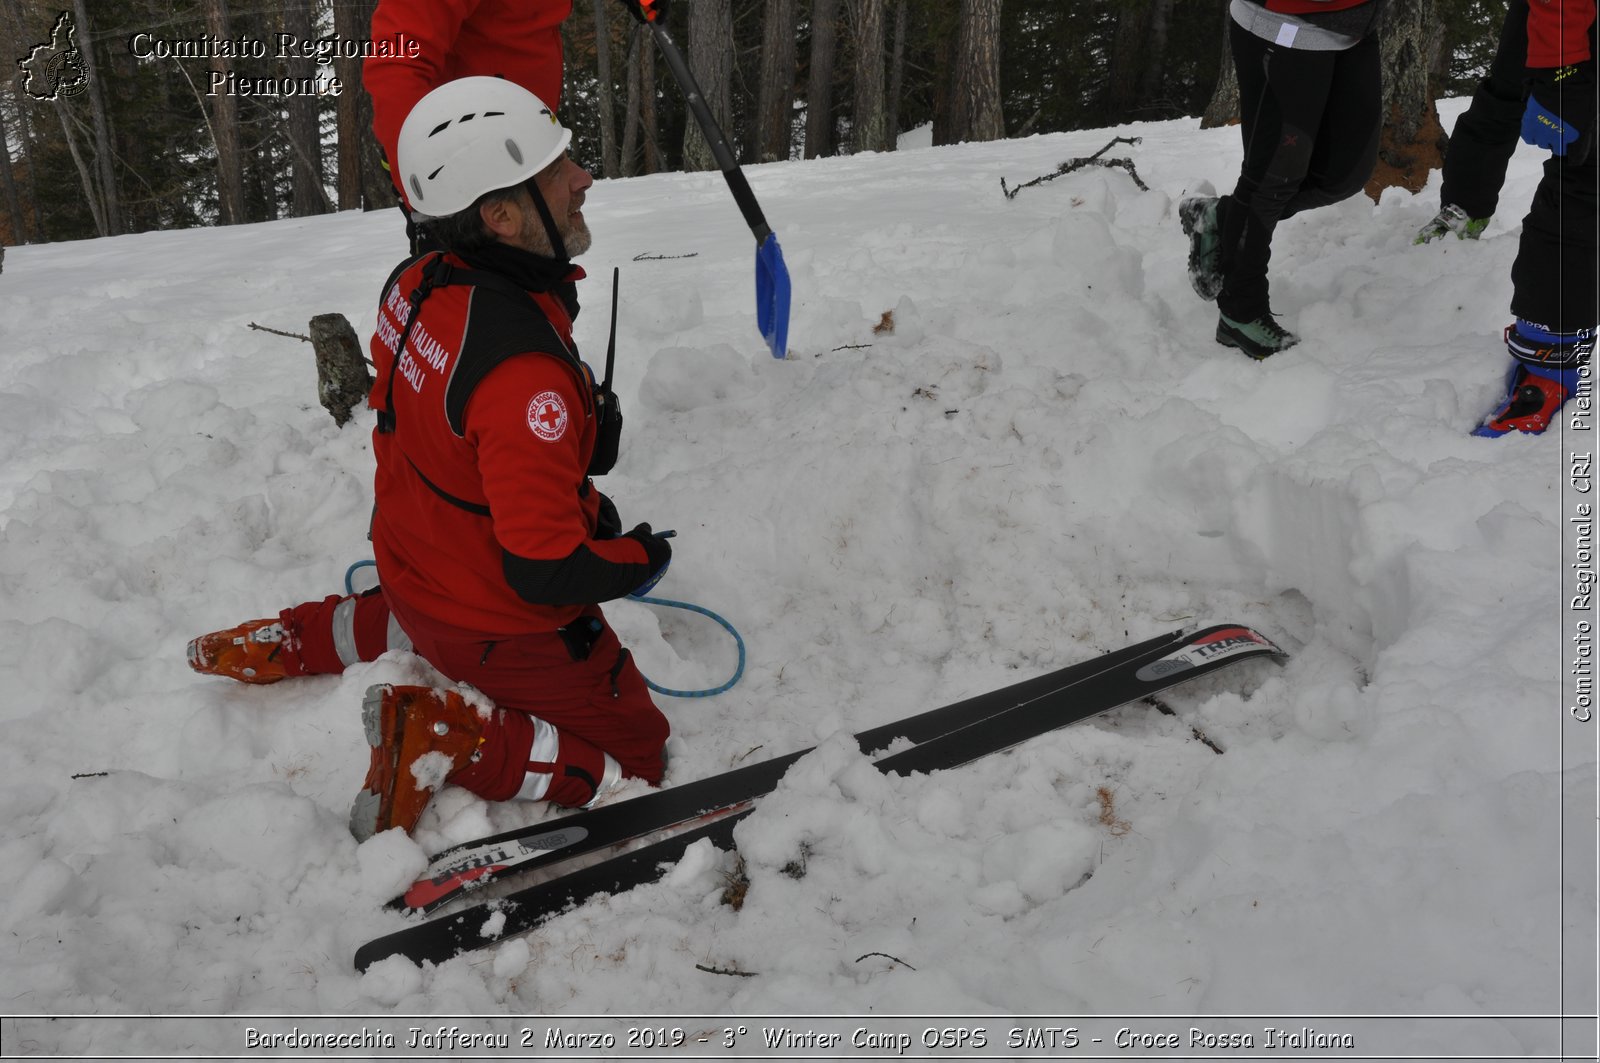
1282, 95
1554, 277
1486, 134
1345, 149
1553, 280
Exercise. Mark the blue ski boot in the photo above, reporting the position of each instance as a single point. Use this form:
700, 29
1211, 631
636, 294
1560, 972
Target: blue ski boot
1546, 368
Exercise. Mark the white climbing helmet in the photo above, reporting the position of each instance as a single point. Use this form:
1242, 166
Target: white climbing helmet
471, 136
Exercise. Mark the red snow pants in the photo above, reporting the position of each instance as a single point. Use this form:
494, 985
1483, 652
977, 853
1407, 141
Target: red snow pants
579, 680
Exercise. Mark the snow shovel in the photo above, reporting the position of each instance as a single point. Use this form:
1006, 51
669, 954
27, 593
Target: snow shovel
772, 276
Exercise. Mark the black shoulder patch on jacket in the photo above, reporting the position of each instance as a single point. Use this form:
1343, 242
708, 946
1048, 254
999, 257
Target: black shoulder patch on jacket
500, 324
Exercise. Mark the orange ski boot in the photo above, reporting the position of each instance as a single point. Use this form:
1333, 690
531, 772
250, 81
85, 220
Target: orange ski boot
419, 738
257, 651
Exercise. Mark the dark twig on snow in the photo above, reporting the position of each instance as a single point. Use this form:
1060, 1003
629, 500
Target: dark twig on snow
1167, 710
645, 256
853, 347
885, 955
91, 775
724, 970
280, 332
1078, 164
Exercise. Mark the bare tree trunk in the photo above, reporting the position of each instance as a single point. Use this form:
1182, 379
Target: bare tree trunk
363, 181
1122, 72
11, 23
225, 126
261, 168
304, 135
84, 176
819, 82
350, 22
944, 83
897, 67
110, 203
711, 62
8, 183
1413, 140
774, 124
1224, 106
377, 187
608, 113
977, 72
631, 117
869, 129
31, 167
647, 106
1155, 51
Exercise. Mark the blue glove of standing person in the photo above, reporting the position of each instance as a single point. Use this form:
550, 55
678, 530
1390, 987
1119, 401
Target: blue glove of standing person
1560, 107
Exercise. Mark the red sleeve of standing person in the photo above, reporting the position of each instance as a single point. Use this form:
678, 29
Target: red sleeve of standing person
1558, 32
519, 40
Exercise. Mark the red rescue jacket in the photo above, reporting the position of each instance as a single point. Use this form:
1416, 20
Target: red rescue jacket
519, 40
1560, 32
486, 515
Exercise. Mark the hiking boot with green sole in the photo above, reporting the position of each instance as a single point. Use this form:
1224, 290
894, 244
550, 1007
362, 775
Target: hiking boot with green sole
1260, 338
1198, 215
1451, 219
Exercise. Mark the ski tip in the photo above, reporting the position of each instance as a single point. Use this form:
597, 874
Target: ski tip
1232, 631
1208, 647
366, 956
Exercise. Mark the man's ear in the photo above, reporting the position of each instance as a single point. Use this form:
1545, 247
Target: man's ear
501, 217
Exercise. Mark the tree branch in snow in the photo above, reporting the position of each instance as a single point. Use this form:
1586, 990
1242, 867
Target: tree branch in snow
1078, 164
724, 970
885, 955
280, 332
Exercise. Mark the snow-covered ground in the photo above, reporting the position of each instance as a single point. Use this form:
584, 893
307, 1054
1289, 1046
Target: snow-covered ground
1047, 457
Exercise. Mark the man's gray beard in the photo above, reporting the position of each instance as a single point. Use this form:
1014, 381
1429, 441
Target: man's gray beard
576, 240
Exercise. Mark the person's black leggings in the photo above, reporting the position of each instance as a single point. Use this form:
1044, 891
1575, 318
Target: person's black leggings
1310, 121
1486, 134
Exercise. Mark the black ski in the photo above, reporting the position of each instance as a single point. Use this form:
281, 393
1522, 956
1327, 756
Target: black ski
614, 848
471, 865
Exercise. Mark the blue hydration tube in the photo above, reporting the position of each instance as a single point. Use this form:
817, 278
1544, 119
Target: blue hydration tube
350, 574
738, 671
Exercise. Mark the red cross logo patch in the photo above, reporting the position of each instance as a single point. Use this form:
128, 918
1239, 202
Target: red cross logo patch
547, 416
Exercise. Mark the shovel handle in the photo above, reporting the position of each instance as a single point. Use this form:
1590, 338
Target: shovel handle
740, 188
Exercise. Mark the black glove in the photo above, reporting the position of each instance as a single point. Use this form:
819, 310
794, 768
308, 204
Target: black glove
608, 525
647, 10
656, 548
607, 434
1560, 114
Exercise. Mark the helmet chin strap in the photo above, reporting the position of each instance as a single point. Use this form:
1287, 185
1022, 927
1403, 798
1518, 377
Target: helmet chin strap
557, 245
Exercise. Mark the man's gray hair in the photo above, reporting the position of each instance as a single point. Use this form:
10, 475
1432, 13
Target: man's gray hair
464, 232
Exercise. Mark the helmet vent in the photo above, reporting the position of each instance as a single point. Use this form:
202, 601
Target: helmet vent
416, 188
440, 128
514, 151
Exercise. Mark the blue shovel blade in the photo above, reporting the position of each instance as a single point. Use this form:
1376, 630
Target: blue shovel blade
772, 296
